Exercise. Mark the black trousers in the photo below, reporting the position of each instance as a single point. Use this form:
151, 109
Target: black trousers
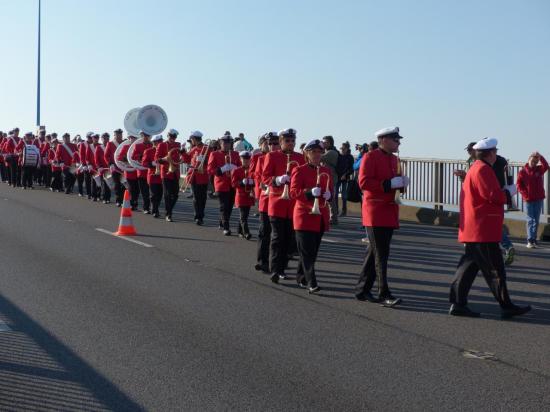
28, 175
281, 235
3, 171
227, 201
244, 212
156, 196
171, 190
47, 175
88, 183
80, 183
68, 179
12, 168
119, 188
105, 190
133, 186
19, 175
308, 244
57, 182
264, 238
199, 199
96, 190
375, 265
486, 257
144, 190
38, 176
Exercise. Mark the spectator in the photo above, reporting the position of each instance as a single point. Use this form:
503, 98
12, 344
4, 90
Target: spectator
330, 160
530, 184
345, 174
363, 149
241, 144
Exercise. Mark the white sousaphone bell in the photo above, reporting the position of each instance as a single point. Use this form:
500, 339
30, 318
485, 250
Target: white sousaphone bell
150, 119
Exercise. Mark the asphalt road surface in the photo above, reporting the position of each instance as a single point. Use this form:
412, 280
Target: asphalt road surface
181, 321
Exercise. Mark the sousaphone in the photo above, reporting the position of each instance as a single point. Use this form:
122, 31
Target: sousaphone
151, 119
130, 121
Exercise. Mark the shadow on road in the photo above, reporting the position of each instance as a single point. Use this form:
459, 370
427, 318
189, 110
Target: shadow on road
38, 372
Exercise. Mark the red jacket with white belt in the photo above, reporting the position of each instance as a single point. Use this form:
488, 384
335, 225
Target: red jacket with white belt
195, 160
244, 192
63, 156
275, 164
161, 152
137, 154
257, 168
304, 179
379, 208
481, 206
222, 181
122, 158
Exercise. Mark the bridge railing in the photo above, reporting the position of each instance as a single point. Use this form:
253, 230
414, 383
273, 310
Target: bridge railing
433, 182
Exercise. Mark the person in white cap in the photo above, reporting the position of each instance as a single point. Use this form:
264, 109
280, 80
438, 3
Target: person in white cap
153, 177
168, 155
481, 217
197, 177
379, 179
242, 181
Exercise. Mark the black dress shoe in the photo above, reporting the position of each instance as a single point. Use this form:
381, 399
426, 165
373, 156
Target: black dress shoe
200, 222
156, 215
227, 232
146, 212
390, 302
367, 296
169, 219
458, 310
248, 236
514, 310
313, 290
275, 278
302, 284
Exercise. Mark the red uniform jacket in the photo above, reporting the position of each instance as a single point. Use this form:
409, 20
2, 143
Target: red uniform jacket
76, 160
531, 181
19, 151
44, 149
110, 154
275, 164
122, 158
257, 167
222, 181
304, 178
138, 155
10, 145
379, 207
481, 205
162, 151
53, 161
63, 156
90, 157
82, 149
99, 158
147, 161
194, 175
244, 195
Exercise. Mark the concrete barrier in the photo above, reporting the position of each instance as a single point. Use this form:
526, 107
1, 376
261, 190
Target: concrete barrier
427, 216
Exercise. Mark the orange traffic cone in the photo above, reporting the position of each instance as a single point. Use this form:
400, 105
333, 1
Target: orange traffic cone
126, 227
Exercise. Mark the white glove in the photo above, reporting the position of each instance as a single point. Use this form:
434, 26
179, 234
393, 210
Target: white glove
281, 180
406, 181
250, 181
244, 182
327, 195
153, 163
512, 189
199, 158
61, 164
316, 191
228, 167
397, 182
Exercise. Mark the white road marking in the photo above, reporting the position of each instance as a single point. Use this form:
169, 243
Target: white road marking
4, 327
129, 239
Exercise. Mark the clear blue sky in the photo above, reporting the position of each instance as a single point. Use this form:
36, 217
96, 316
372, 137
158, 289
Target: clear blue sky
447, 72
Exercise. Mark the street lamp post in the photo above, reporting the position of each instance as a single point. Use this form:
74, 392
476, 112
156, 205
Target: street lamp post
38, 72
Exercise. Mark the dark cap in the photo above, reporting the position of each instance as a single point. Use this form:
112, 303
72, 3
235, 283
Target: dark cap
119, 130
470, 146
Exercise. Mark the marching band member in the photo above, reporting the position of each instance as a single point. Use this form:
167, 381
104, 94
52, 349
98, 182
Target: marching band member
27, 172
57, 182
45, 162
65, 157
310, 186
142, 174
482, 203
116, 173
154, 177
198, 177
130, 176
269, 143
82, 151
93, 168
243, 182
40, 139
168, 155
276, 174
3, 170
220, 165
103, 167
379, 179
11, 155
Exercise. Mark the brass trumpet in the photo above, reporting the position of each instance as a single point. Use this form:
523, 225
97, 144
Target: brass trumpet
250, 190
172, 165
316, 209
397, 198
286, 190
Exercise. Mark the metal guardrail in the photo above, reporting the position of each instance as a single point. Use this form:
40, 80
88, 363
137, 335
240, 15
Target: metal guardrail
433, 182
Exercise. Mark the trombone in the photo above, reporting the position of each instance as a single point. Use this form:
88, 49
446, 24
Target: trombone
316, 209
397, 198
200, 167
286, 190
